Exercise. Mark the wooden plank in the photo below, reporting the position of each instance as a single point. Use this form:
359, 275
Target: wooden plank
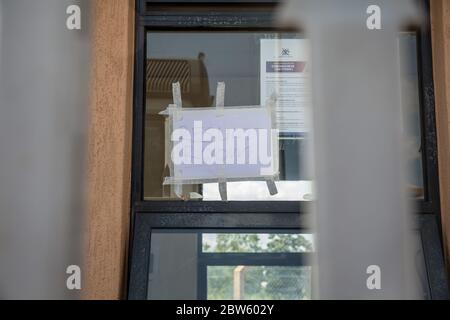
109, 162
440, 17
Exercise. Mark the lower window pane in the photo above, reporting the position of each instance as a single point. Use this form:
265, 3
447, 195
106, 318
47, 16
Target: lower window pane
259, 283
208, 264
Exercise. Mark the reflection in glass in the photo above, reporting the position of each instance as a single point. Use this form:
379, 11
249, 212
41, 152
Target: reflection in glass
199, 60
259, 283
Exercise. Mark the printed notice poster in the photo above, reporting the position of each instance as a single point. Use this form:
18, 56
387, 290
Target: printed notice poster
285, 67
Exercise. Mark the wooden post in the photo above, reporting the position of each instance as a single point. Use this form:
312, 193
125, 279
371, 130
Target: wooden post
109, 162
238, 283
440, 20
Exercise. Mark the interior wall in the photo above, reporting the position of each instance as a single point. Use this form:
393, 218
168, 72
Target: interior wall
109, 162
440, 16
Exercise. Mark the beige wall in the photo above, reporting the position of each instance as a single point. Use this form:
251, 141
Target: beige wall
440, 15
109, 149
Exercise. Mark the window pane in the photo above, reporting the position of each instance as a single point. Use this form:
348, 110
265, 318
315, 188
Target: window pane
411, 111
259, 283
251, 243
198, 61
187, 265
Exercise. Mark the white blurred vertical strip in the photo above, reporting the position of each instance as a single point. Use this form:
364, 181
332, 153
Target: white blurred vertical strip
43, 102
361, 213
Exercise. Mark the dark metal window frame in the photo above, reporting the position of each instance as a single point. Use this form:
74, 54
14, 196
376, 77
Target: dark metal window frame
163, 15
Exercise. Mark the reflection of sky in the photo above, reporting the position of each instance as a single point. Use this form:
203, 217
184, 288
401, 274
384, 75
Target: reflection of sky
258, 191
210, 239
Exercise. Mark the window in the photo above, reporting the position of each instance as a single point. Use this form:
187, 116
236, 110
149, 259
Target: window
199, 60
255, 245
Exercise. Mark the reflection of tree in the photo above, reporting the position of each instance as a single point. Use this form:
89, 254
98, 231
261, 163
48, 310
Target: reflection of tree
262, 282
288, 243
238, 243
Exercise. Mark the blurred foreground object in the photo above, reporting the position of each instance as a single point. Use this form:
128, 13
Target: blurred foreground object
363, 223
44, 73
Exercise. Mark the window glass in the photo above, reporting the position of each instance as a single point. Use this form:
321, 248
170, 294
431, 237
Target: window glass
197, 265
199, 60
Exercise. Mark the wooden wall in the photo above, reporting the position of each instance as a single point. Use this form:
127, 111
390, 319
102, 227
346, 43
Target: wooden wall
440, 16
109, 163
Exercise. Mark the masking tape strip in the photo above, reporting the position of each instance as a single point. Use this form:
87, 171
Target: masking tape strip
220, 98
220, 106
176, 89
178, 102
223, 191
271, 106
272, 187
174, 181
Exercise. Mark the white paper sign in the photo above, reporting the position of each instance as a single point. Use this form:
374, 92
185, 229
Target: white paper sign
209, 144
285, 66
